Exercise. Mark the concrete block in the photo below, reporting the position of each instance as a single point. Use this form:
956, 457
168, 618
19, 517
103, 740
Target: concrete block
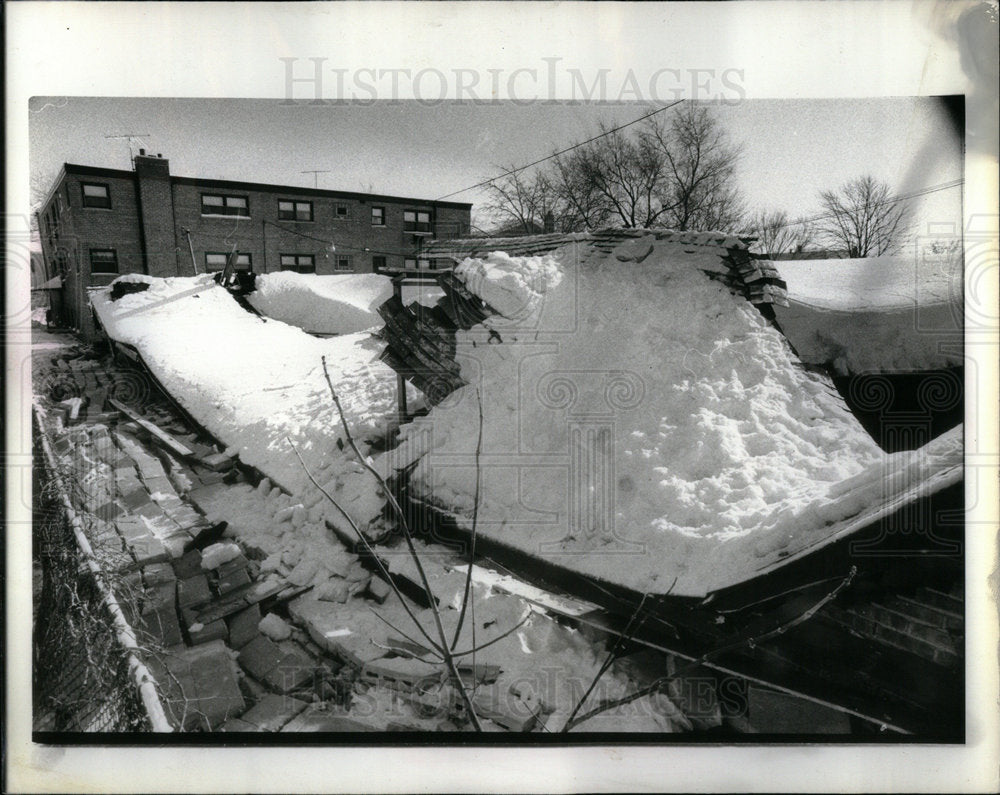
259, 657
273, 711
243, 626
109, 511
193, 591
134, 499
161, 625
237, 578
158, 574
200, 686
147, 550
293, 670
188, 565
203, 633
331, 629
379, 590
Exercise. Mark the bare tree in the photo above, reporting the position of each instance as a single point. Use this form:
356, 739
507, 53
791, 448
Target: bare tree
863, 217
583, 206
776, 233
521, 200
677, 172
625, 173
698, 188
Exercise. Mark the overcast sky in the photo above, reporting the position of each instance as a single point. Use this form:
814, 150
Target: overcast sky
792, 148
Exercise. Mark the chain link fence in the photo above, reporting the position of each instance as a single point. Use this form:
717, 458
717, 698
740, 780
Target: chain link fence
80, 671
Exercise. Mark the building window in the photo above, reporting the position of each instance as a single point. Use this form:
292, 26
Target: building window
341, 212
342, 262
300, 263
378, 216
96, 195
103, 260
295, 211
416, 221
417, 264
378, 263
215, 204
217, 262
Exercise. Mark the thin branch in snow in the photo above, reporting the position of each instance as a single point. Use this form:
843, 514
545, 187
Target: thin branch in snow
472, 543
663, 681
367, 545
612, 656
404, 526
415, 642
497, 639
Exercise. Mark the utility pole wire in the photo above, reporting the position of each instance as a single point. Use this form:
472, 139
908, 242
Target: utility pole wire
561, 151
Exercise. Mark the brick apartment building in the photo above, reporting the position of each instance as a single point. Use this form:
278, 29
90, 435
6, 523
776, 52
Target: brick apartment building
97, 223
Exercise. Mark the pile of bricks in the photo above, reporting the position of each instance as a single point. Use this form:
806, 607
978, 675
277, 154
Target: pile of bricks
211, 623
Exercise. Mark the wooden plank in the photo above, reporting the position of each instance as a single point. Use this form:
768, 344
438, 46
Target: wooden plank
162, 435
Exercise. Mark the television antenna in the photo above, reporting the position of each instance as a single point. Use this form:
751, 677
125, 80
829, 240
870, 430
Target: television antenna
132, 138
315, 172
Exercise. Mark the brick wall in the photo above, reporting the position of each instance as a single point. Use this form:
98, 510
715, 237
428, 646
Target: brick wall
157, 216
265, 236
153, 216
81, 229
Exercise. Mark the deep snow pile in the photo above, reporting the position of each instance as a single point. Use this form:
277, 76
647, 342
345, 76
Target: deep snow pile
875, 314
335, 304
257, 384
700, 448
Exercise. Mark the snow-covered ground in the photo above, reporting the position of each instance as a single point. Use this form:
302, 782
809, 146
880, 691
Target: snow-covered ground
879, 314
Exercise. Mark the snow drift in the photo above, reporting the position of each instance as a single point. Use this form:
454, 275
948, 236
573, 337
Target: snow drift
879, 314
337, 304
641, 423
258, 386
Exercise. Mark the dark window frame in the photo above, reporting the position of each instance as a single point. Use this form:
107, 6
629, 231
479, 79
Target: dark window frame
225, 256
216, 210
114, 260
294, 216
89, 201
336, 212
416, 225
298, 266
379, 261
381, 209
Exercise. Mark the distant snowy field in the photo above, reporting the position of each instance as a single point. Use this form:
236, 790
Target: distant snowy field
879, 314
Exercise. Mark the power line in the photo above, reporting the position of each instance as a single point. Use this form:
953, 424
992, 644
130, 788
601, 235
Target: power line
560, 152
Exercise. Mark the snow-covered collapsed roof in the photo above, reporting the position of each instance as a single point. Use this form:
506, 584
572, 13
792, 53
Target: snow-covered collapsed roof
643, 423
727, 256
879, 314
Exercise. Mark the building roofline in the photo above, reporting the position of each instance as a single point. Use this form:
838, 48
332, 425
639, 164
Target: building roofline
99, 171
